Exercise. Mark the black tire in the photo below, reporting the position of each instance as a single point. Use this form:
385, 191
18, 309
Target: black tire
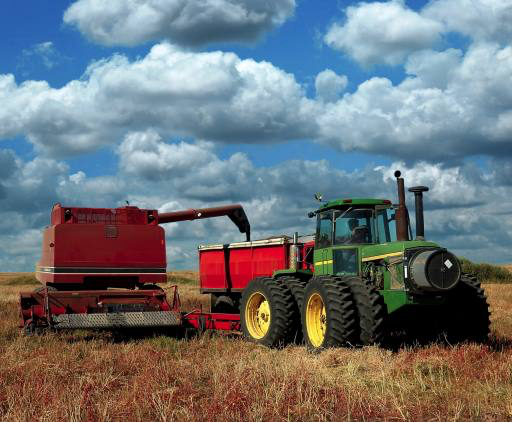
371, 311
296, 287
467, 312
225, 303
151, 287
282, 310
340, 313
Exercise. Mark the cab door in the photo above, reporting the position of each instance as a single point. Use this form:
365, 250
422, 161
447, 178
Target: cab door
323, 243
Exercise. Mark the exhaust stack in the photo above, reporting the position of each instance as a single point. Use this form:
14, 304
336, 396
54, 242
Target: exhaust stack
418, 198
402, 234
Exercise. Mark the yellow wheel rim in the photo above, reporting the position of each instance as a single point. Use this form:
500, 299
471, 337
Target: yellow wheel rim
316, 320
257, 315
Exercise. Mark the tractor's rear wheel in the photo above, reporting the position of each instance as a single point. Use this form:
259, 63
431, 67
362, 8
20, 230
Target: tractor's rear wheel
371, 310
268, 312
467, 312
296, 287
328, 313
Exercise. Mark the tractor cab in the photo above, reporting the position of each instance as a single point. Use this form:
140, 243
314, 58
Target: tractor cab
355, 221
347, 229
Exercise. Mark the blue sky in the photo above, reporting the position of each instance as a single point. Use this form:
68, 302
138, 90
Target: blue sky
172, 104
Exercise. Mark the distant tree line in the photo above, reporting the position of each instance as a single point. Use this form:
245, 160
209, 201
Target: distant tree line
486, 273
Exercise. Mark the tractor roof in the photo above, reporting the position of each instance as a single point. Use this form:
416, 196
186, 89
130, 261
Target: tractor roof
350, 202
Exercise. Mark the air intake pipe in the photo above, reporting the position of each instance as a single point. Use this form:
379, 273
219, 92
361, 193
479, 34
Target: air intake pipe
418, 198
235, 212
402, 232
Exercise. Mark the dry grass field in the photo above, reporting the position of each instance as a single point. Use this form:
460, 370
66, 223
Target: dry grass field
87, 376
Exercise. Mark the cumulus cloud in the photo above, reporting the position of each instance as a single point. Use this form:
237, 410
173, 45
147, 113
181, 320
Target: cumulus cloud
452, 104
481, 20
382, 32
329, 85
212, 96
184, 22
430, 116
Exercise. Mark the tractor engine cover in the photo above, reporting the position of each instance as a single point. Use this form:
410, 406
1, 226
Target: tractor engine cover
434, 270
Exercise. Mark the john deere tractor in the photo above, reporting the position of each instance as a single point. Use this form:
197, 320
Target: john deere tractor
369, 279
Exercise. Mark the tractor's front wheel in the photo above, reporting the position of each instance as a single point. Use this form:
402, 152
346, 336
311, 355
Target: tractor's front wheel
268, 312
328, 313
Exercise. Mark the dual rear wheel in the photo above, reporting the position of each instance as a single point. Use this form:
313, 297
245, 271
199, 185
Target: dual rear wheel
326, 312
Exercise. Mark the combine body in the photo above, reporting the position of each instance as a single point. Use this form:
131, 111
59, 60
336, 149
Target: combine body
96, 248
100, 268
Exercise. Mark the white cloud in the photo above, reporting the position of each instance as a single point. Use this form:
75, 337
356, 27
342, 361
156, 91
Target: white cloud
213, 96
184, 22
482, 20
45, 53
467, 113
382, 33
329, 85
434, 69
450, 106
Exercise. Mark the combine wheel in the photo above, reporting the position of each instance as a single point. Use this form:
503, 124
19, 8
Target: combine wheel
371, 310
328, 313
296, 287
267, 312
467, 312
151, 287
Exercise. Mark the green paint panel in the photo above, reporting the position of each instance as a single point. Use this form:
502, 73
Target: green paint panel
368, 251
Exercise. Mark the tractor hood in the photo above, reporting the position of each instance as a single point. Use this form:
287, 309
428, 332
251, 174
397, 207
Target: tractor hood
427, 268
384, 250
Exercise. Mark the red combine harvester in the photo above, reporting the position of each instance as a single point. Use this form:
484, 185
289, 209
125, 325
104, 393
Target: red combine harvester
100, 268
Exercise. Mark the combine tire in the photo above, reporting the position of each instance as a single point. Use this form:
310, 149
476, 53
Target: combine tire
296, 287
467, 312
268, 312
328, 313
371, 311
151, 287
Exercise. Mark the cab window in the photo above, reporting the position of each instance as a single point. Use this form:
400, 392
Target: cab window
324, 230
354, 226
386, 225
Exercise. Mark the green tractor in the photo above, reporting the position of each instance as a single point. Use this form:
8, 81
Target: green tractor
372, 280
